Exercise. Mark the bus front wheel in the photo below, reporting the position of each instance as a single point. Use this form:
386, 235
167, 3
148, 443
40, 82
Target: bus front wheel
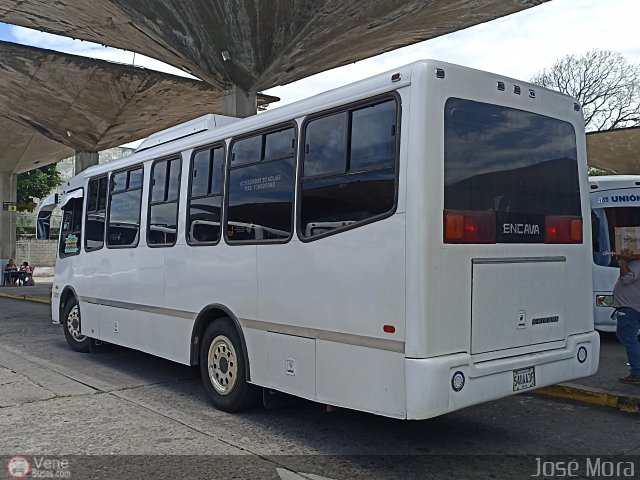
71, 327
223, 369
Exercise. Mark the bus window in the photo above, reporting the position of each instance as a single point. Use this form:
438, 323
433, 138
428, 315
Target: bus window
260, 194
604, 222
163, 206
205, 196
71, 228
125, 199
96, 211
349, 172
510, 173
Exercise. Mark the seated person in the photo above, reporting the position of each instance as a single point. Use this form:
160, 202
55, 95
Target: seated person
25, 273
8, 268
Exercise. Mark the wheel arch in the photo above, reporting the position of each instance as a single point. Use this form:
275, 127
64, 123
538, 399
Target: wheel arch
67, 294
206, 317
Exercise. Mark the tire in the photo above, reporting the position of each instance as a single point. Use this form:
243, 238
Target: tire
223, 368
71, 327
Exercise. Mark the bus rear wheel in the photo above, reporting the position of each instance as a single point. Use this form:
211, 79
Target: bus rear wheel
223, 369
71, 327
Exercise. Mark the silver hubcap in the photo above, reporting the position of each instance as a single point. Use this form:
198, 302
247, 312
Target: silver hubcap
222, 365
73, 324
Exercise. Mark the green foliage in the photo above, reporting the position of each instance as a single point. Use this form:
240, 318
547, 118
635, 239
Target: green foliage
596, 172
37, 183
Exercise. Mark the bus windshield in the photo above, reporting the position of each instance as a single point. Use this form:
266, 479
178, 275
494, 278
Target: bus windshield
604, 222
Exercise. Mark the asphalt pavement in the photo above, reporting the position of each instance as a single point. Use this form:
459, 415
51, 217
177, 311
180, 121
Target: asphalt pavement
120, 413
602, 388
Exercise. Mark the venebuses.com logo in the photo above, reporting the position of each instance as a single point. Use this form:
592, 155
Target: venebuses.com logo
38, 467
18, 467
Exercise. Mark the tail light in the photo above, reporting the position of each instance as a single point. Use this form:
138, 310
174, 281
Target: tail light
563, 229
462, 226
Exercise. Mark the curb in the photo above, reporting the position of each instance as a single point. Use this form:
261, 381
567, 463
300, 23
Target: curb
592, 396
28, 298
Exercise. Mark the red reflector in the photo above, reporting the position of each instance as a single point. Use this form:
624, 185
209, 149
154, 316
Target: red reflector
563, 229
389, 329
395, 77
464, 226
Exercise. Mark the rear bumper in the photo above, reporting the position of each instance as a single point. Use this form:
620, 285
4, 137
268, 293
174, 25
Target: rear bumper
428, 381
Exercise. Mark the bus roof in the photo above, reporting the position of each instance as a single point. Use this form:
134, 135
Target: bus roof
371, 86
613, 182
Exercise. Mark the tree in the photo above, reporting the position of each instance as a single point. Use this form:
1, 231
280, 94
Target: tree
37, 183
604, 82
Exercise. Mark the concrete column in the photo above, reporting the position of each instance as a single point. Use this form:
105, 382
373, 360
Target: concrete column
85, 160
8, 193
238, 103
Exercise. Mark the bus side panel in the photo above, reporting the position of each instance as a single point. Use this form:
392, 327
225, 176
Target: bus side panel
349, 286
162, 335
212, 274
362, 378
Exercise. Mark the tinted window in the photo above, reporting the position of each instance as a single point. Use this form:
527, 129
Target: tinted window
159, 181
261, 201
325, 145
200, 170
163, 208
124, 209
217, 172
334, 197
248, 150
95, 219
205, 201
279, 144
373, 131
119, 181
604, 222
135, 179
173, 186
260, 196
508, 161
71, 228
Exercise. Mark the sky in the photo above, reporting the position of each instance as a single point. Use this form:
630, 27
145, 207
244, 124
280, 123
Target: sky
518, 45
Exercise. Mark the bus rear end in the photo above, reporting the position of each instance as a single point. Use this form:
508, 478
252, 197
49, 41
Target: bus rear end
504, 298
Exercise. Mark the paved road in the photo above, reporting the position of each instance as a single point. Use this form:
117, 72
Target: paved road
56, 402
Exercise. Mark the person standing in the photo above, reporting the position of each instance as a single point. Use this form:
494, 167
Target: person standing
626, 300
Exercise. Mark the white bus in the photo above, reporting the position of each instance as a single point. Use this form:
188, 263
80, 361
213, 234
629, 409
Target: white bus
406, 245
615, 202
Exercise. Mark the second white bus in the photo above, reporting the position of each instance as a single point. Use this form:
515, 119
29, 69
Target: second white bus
407, 245
615, 202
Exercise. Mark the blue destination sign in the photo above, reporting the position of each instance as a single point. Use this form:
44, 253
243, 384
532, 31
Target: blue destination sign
620, 199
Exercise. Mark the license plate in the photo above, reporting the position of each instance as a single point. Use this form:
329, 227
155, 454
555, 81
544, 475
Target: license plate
524, 378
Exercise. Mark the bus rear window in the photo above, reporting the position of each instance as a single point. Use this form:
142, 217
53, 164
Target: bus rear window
519, 167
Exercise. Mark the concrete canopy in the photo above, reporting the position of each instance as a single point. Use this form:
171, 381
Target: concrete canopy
22, 148
53, 104
253, 44
615, 150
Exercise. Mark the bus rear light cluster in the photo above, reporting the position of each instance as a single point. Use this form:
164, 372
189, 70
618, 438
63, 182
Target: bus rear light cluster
461, 226
467, 226
563, 230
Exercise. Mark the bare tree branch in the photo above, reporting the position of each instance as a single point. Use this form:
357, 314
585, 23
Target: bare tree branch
604, 82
